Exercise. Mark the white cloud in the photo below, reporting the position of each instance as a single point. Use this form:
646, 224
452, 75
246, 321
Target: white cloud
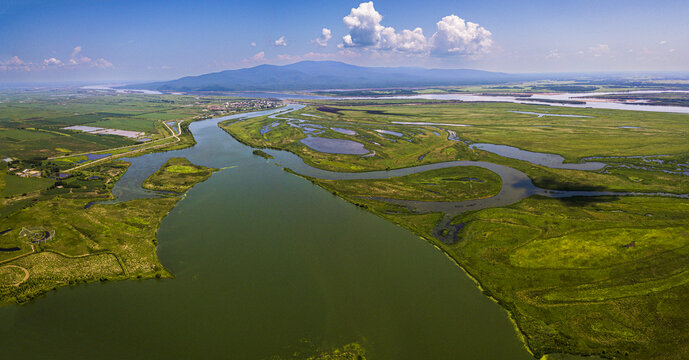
364, 26
77, 61
253, 44
600, 50
76, 51
458, 37
345, 54
52, 62
281, 41
662, 42
672, 50
553, 54
322, 40
454, 36
259, 56
102, 64
15, 60
15, 64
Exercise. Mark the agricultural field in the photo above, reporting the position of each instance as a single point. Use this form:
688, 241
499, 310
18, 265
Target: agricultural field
32, 123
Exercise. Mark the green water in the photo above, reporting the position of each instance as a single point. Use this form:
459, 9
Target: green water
264, 259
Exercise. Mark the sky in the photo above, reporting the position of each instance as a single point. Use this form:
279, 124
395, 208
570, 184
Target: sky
120, 40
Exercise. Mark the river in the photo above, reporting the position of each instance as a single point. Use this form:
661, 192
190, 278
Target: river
264, 259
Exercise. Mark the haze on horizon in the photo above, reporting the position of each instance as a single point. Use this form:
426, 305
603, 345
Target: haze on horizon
149, 40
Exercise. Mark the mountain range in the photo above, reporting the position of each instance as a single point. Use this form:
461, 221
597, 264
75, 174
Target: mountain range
322, 75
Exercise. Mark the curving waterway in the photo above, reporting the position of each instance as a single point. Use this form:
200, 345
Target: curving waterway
263, 260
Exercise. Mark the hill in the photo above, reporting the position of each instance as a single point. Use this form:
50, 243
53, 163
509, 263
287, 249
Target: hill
320, 75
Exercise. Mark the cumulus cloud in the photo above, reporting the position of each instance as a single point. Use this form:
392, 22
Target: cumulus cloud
259, 56
281, 41
599, 50
14, 64
454, 35
339, 55
662, 42
52, 62
253, 44
364, 26
458, 37
102, 64
15, 60
553, 54
322, 40
77, 58
76, 51
77, 61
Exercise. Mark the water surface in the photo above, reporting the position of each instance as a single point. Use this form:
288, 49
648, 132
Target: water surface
263, 259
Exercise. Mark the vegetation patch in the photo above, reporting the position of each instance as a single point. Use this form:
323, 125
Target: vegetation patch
601, 276
448, 184
177, 175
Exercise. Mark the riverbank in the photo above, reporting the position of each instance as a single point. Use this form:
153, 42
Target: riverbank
472, 238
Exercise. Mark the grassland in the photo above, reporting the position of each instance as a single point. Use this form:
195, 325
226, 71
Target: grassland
177, 175
31, 123
91, 242
603, 276
598, 276
262, 154
449, 184
52, 233
573, 138
307, 350
102, 242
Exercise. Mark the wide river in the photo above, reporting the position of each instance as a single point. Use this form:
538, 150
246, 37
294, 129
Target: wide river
263, 260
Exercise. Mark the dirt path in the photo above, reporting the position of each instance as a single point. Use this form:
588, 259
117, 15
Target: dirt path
26, 273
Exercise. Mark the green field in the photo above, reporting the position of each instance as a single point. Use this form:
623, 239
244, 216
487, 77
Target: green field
591, 276
449, 184
15, 185
31, 123
603, 276
177, 175
94, 243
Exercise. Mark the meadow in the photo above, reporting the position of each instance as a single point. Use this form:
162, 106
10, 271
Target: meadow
598, 276
87, 241
31, 123
177, 175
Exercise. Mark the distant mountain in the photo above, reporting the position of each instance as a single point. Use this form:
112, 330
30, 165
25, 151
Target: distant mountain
321, 75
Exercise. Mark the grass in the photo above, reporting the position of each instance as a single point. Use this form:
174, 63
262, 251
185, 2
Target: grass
562, 269
16, 185
103, 242
307, 350
98, 243
599, 276
177, 175
449, 184
31, 123
262, 154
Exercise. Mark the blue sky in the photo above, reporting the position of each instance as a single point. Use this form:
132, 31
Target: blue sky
144, 40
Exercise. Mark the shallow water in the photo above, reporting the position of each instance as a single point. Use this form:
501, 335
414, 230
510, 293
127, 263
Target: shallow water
335, 146
263, 259
550, 160
344, 131
388, 132
546, 114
